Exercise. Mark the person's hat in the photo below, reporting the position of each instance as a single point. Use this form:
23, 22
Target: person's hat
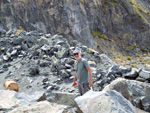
77, 50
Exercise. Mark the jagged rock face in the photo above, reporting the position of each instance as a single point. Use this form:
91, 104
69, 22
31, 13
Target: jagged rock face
75, 19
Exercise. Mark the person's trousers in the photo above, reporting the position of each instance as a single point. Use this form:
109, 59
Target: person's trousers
83, 88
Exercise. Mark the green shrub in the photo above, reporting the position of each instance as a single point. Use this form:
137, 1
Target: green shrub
119, 37
148, 12
95, 33
133, 46
143, 49
104, 12
137, 55
129, 58
139, 15
133, 19
142, 27
82, 1
123, 53
128, 50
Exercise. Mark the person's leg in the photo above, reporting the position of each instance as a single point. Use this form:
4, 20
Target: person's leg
80, 88
85, 88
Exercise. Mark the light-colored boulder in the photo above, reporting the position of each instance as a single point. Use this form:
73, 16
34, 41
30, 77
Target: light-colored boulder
104, 102
43, 107
8, 100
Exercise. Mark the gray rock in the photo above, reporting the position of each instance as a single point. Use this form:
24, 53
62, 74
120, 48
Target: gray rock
60, 67
146, 103
30, 39
36, 53
48, 35
132, 74
9, 32
140, 79
44, 64
105, 101
2, 31
64, 74
104, 80
63, 44
14, 52
34, 33
144, 74
17, 41
24, 46
1, 61
106, 61
62, 98
43, 41
34, 70
132, 90
18, 47
5, 58
44, 107
68, 66
45, 48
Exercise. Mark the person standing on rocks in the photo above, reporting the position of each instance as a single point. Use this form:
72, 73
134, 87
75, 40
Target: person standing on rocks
83, 73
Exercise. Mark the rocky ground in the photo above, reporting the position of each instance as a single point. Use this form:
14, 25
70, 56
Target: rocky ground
44, 63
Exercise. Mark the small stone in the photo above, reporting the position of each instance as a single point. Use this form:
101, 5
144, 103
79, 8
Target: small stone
14, 52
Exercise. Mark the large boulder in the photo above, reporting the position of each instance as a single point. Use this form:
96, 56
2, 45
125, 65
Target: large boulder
104, 102
135, 91
44, 107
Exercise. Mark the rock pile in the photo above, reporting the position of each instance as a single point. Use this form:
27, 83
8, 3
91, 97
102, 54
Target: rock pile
44, 63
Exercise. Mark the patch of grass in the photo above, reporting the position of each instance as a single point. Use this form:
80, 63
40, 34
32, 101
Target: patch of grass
82, 1
119, 37
129, 58
19, 29
128, 50
139, 15
104, 12
123, 53
140, 9
147, 47
133, 46
142, 27
133, 66
95, 33
100, 35
147, 12
67, 0
137, 55
133, 19
143, 49
142, 62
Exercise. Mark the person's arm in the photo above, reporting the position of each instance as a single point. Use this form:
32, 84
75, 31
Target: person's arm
90, 76
75, 78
